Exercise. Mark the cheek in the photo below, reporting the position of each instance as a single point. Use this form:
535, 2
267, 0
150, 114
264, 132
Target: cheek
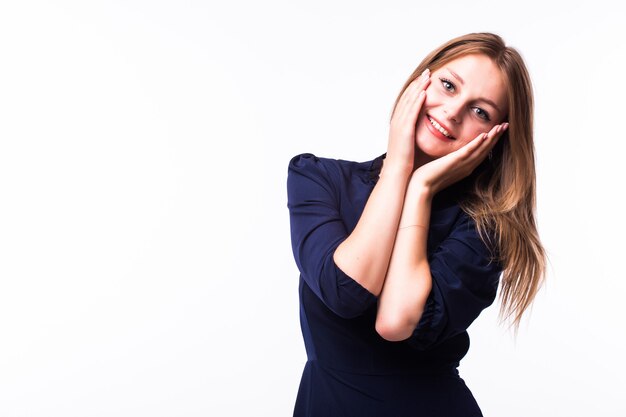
431, 93
433, 99
473, 129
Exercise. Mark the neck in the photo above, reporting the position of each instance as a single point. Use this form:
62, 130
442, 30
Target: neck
420, 159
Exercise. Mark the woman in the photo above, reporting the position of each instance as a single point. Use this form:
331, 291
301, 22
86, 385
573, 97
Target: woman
400, 254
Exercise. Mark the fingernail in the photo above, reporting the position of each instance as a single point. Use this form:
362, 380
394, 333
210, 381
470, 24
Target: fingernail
426, 74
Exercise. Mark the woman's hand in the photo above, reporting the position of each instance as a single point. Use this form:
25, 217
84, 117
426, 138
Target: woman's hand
445, 171
401, 146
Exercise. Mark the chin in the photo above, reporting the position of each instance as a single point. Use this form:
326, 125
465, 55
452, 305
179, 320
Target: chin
431, 146
432, 152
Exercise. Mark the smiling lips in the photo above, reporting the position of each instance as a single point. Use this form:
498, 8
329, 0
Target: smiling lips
438, 128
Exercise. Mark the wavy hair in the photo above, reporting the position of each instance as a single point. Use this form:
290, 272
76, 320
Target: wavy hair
502, 194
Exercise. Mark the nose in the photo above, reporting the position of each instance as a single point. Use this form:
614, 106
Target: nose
453, 111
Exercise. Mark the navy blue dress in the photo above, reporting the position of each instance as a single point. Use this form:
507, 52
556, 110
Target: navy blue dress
351, 370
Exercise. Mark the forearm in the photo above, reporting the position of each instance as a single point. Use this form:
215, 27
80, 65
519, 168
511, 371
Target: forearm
408, 281
365, 254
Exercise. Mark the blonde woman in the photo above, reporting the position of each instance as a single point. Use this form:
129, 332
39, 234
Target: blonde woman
399, 255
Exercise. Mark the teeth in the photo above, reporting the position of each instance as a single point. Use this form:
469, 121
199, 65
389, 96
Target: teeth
439, 128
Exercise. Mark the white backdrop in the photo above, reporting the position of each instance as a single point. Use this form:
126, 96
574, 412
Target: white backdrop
145, 261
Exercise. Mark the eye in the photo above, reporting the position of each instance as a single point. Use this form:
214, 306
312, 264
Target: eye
482, 114
447, 84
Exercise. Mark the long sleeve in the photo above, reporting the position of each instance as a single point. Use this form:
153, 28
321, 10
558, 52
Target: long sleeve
317, 228
465, 278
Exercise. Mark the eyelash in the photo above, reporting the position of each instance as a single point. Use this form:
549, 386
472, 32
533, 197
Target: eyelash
486, 117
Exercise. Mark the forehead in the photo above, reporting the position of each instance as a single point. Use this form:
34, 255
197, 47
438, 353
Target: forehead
481, 78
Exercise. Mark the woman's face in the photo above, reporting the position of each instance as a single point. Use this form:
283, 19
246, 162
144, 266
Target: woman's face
465, 97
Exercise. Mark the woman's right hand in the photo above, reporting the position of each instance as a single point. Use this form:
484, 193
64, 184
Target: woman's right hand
401, 146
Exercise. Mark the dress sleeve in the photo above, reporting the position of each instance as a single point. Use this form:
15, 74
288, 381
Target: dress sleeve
465, 279
316, 230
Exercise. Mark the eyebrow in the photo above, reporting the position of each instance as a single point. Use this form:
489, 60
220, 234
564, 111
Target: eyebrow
486, 100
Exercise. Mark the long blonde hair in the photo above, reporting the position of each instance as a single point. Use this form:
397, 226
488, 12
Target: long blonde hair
502, 195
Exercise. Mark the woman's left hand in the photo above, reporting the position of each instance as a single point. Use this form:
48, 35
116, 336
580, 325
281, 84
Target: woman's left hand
445, 171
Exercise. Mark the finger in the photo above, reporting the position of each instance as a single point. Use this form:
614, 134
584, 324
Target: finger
424, 76
407, 116
414, 96
412, 103
416, 107
422, 82
407, 110
473, 146
414, 88
496, 132
491, 139
482, 143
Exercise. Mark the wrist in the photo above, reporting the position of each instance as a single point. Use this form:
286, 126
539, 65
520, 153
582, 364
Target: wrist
416, 209
395, 170
420, 191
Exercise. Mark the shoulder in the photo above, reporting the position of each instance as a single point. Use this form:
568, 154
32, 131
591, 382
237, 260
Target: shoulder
336, 174
307, 168
332, 167
310, 162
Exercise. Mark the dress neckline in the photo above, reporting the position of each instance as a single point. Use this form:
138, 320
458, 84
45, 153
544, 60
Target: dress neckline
449, 195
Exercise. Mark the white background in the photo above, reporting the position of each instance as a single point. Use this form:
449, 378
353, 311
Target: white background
145, 260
